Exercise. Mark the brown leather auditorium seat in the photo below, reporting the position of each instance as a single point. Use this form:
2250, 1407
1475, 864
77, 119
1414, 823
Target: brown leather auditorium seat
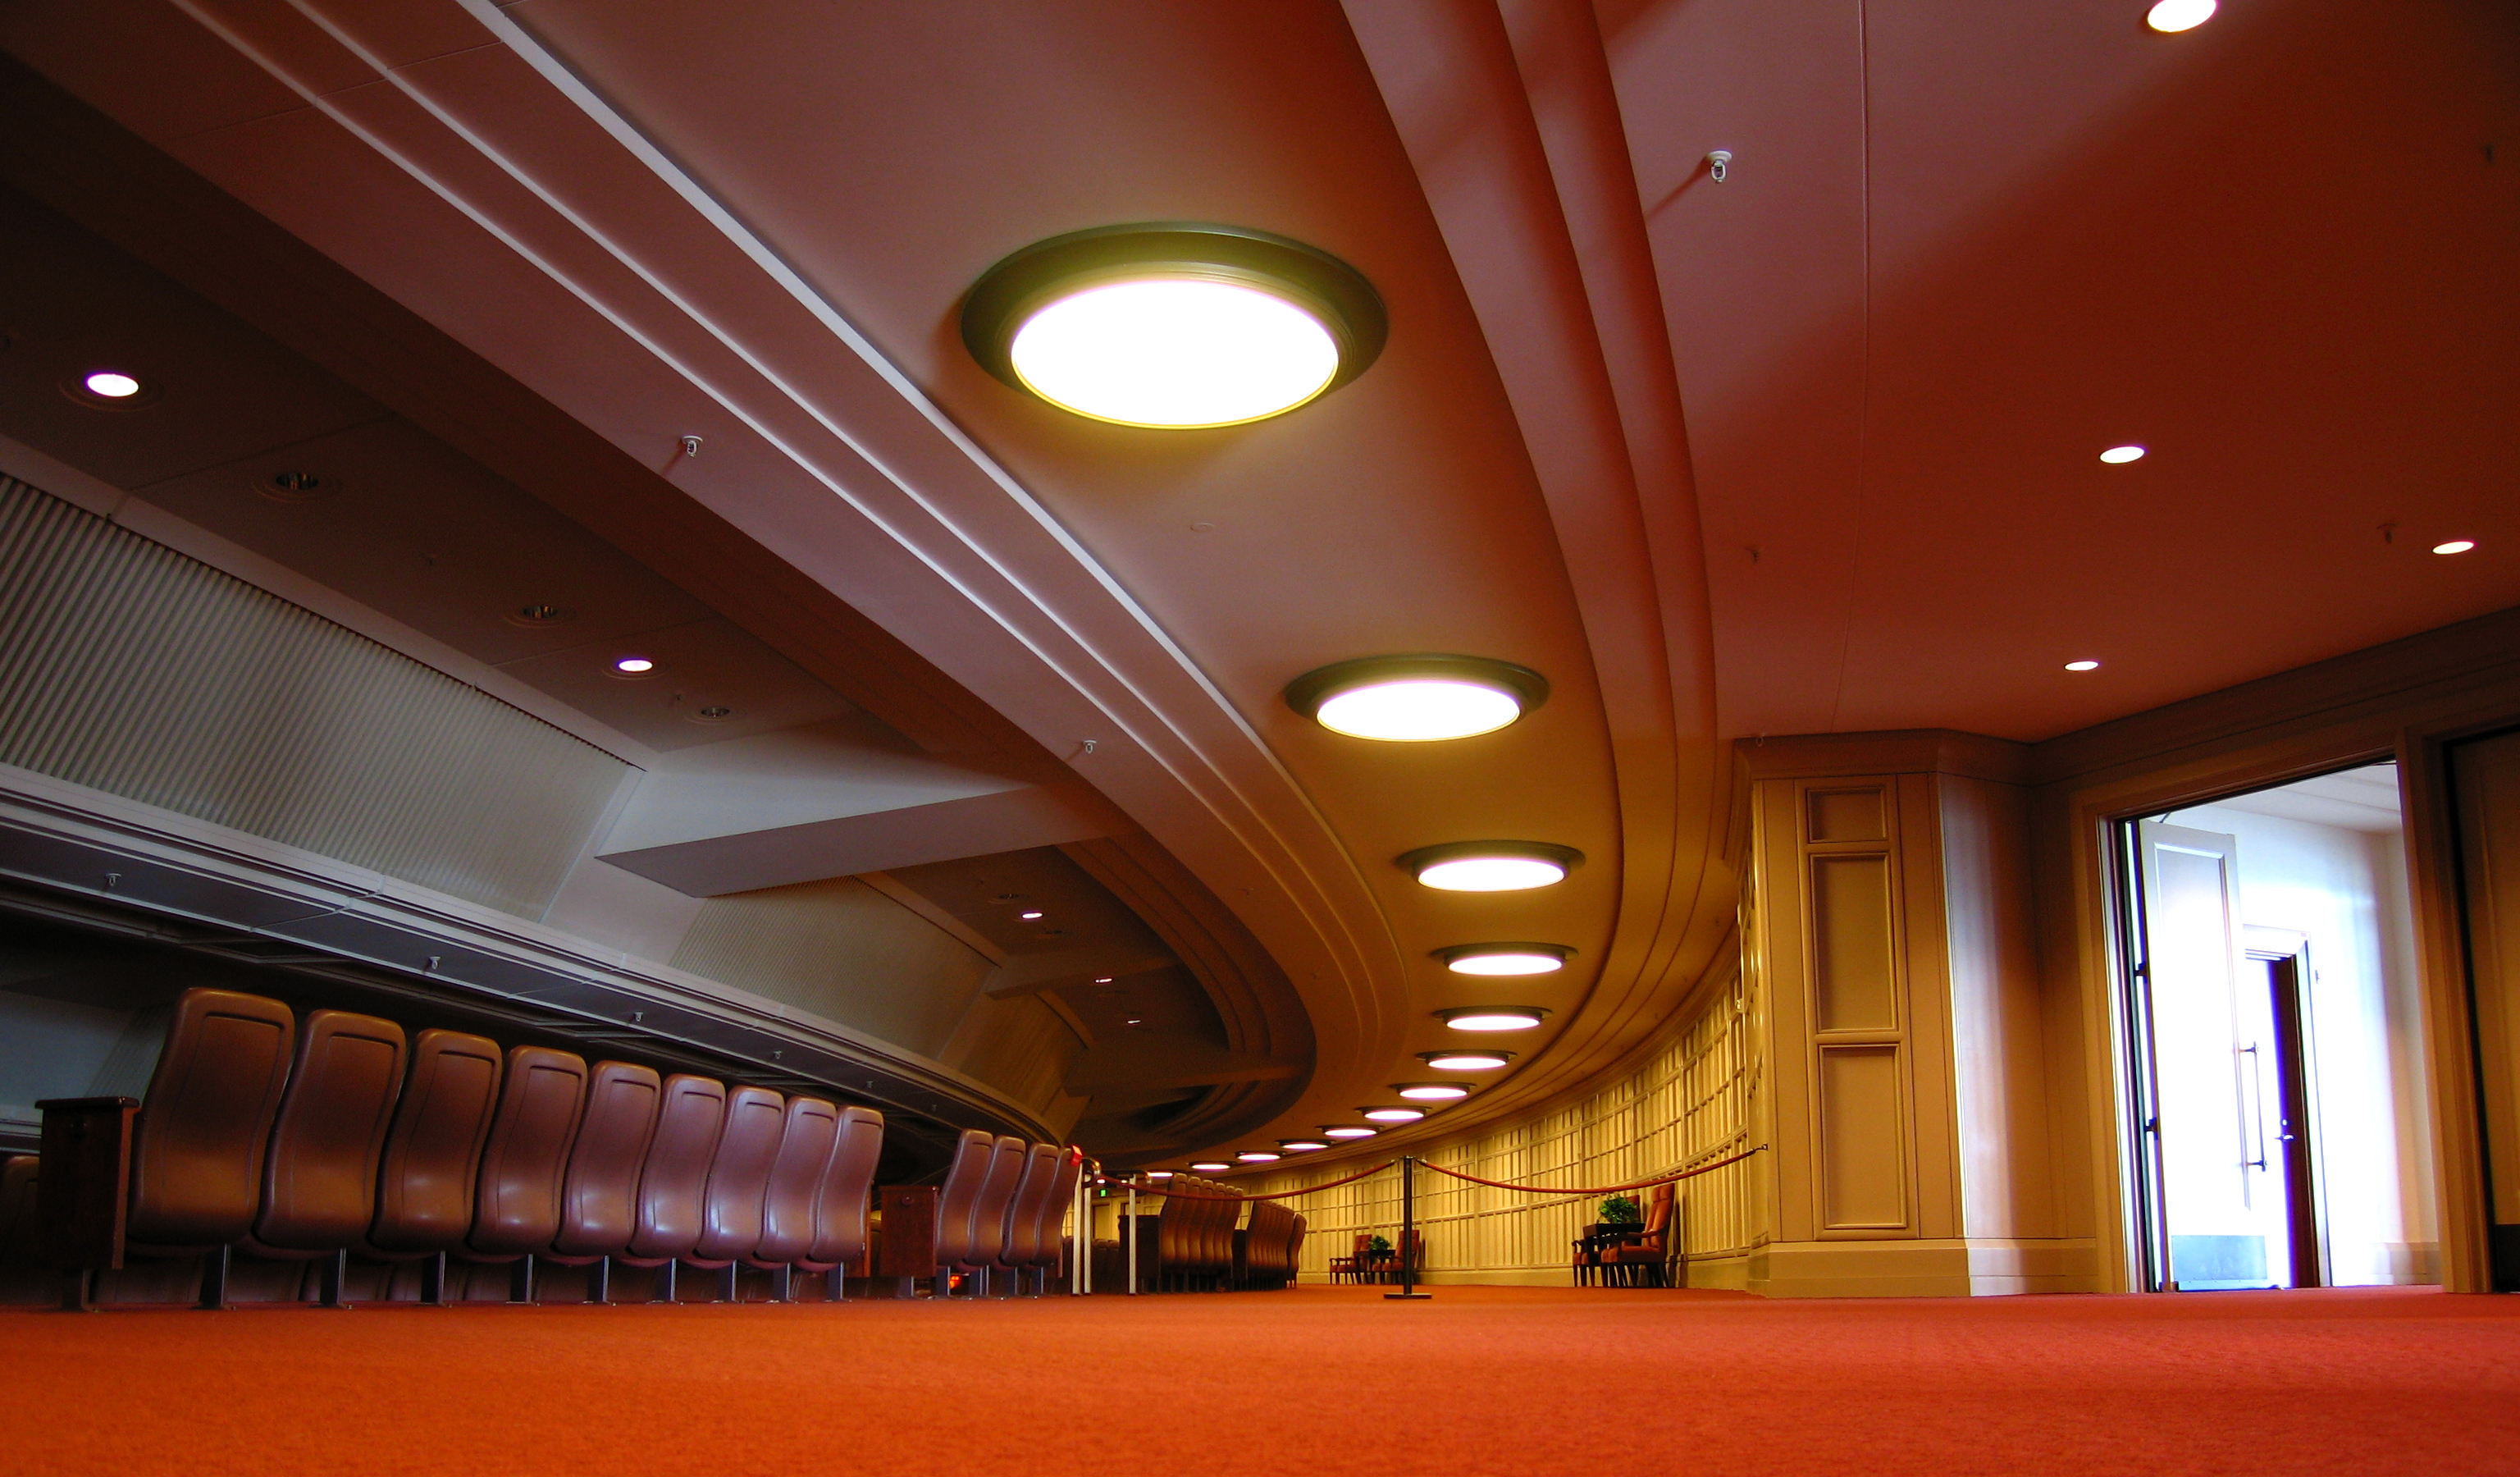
964, 1180
432, 1155
989, 1211
516, 1205
1020, 1245
599, 1201
1050, 1231
806, 1140
840, 1202
204, 1128
673, 1183
319, 1180
738, 1179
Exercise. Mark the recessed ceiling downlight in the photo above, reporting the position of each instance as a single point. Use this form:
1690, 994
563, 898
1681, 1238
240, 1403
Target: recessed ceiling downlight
1174, 325
2455, 546
1417, 698
1491, 866
1505, 959
2119, 456
1465, 1061
2085, 664
113, 384
2175, 16
1493, 1017
1395, 1115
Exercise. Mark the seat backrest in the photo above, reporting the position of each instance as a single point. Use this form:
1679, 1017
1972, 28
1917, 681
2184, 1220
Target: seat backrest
1296, 1249
674, 1184
1174, 1236
18, 1210
515, 1203
841, 1206
965, 1178
806, 1141
204, 1128
599, 1197
1022, 1246
739, 1175
319, 1180
989, 1212
1658, 1211
434, 1154
1052, 1219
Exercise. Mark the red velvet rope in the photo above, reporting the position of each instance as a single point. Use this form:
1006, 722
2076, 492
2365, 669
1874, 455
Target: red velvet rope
1608, 1189
1151, 1189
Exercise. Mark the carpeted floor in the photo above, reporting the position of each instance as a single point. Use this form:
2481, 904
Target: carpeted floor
1591, 1383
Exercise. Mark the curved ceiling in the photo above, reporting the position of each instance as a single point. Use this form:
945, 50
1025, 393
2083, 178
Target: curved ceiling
1958, 252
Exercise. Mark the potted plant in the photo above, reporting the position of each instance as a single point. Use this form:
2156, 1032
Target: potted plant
1380, 1246
1619, 1210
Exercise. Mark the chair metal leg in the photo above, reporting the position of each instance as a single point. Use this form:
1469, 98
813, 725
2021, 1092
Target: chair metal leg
665, 1288
330, 1275
837, 1288
432, 1282
78, 1290
726, 1288
599, 1281
783, 1285
520, 1279
214, 1280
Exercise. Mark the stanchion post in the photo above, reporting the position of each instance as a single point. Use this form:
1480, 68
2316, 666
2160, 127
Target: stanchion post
1408, 1232
1080, 1242
1130, 1234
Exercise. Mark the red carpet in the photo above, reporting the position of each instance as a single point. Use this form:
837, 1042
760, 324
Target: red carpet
1312, 1380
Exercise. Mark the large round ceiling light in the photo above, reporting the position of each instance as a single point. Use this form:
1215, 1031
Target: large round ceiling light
2174, 16
1211, 1165
1417, 698
1431, 1092
1257, 1156
1348, 1130
1174, 325
1465, 1061
1301, 1145
1395, 1115
1491, 866
1504, 958
1493, 1017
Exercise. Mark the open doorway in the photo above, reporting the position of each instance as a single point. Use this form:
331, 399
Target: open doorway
2277, 1088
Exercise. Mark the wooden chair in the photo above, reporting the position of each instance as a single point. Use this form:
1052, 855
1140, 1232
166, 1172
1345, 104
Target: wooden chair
1644, 1260
1351, 1268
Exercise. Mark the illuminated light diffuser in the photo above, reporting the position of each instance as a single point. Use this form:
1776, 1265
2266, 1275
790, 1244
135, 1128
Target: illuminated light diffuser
1430, 1092
1174, 325
1257, 1156
2085, 664
113, 384
1395, 1115
2455, 546
634, 666
1210, 1166
1417, 698
1160, 1173
1491, 866
2119, 456
1301, 1145
2171, 17
1465, 1061
1493, 1017
1349, 1130
1502, 959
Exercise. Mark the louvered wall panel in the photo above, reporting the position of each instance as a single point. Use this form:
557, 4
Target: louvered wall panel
133, 670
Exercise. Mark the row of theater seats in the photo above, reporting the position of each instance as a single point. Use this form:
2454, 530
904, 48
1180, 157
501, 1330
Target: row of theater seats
341, 1135
1191, 1245
1001, 1209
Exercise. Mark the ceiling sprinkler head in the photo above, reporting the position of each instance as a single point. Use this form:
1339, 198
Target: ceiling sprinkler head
1718, 164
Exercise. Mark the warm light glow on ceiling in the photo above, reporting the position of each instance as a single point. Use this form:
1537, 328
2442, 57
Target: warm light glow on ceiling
1465, 1061
1349, 1130
2455, 546
1491, 866
1175, 351
2171, 16
2119, 456
1395, 1115
1257, 1156
1431, 1092
111, 385
1501, 959
1493, 1017
2085, 664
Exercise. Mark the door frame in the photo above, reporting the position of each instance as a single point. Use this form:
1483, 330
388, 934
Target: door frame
2286, 954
